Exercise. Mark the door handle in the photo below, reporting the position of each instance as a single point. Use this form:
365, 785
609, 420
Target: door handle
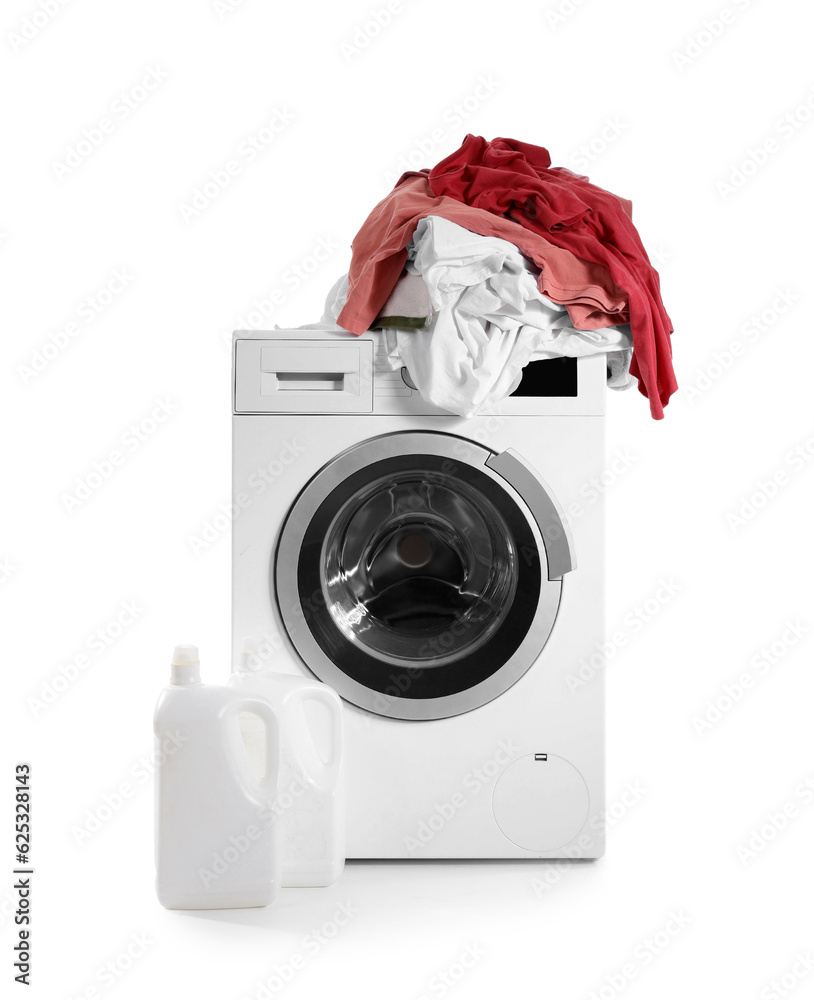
550, 517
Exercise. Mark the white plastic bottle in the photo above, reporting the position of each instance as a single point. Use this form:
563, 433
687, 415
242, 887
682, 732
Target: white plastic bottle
310, 801
216, 843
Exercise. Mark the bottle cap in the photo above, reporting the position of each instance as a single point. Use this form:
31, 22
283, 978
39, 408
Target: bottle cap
185, 667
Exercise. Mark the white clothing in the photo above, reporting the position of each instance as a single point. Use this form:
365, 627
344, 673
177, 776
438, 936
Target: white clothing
489, 320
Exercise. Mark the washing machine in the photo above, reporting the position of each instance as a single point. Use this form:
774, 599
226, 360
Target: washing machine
444, 575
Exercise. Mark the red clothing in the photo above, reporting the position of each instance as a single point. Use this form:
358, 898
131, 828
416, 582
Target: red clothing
584, 288
516, 179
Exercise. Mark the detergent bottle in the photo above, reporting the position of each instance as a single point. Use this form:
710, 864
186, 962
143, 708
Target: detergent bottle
310, 804
216, 842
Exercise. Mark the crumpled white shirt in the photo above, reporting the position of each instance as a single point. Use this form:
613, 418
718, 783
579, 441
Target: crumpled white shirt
489, 320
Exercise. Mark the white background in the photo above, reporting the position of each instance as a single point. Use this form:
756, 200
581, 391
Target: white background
680, 127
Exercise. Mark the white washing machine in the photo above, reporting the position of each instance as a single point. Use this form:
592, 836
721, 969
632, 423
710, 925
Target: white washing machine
444, 575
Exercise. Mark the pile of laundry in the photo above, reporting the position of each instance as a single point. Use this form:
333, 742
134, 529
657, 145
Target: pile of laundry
494, 258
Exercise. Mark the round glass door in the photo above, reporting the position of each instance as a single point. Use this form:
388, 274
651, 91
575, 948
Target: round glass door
412, 581
418, 567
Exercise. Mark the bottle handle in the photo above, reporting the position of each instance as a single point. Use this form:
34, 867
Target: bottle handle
324, 771
261, 708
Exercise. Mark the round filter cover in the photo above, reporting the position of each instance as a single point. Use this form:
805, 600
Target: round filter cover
540, 802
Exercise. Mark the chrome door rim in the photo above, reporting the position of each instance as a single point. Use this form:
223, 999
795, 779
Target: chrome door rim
284, 579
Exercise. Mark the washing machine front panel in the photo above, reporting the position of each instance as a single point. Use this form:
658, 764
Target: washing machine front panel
420, 574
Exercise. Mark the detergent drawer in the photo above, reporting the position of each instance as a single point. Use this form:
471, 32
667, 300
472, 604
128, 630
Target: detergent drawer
295, 376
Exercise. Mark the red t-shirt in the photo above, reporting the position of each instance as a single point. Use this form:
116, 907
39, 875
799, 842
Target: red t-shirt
585, 289
516, 180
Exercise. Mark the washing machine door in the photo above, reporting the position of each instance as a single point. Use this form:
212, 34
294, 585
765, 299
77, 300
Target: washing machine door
420, 574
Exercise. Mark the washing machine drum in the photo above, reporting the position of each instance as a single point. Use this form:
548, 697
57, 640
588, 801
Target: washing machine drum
419, 580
